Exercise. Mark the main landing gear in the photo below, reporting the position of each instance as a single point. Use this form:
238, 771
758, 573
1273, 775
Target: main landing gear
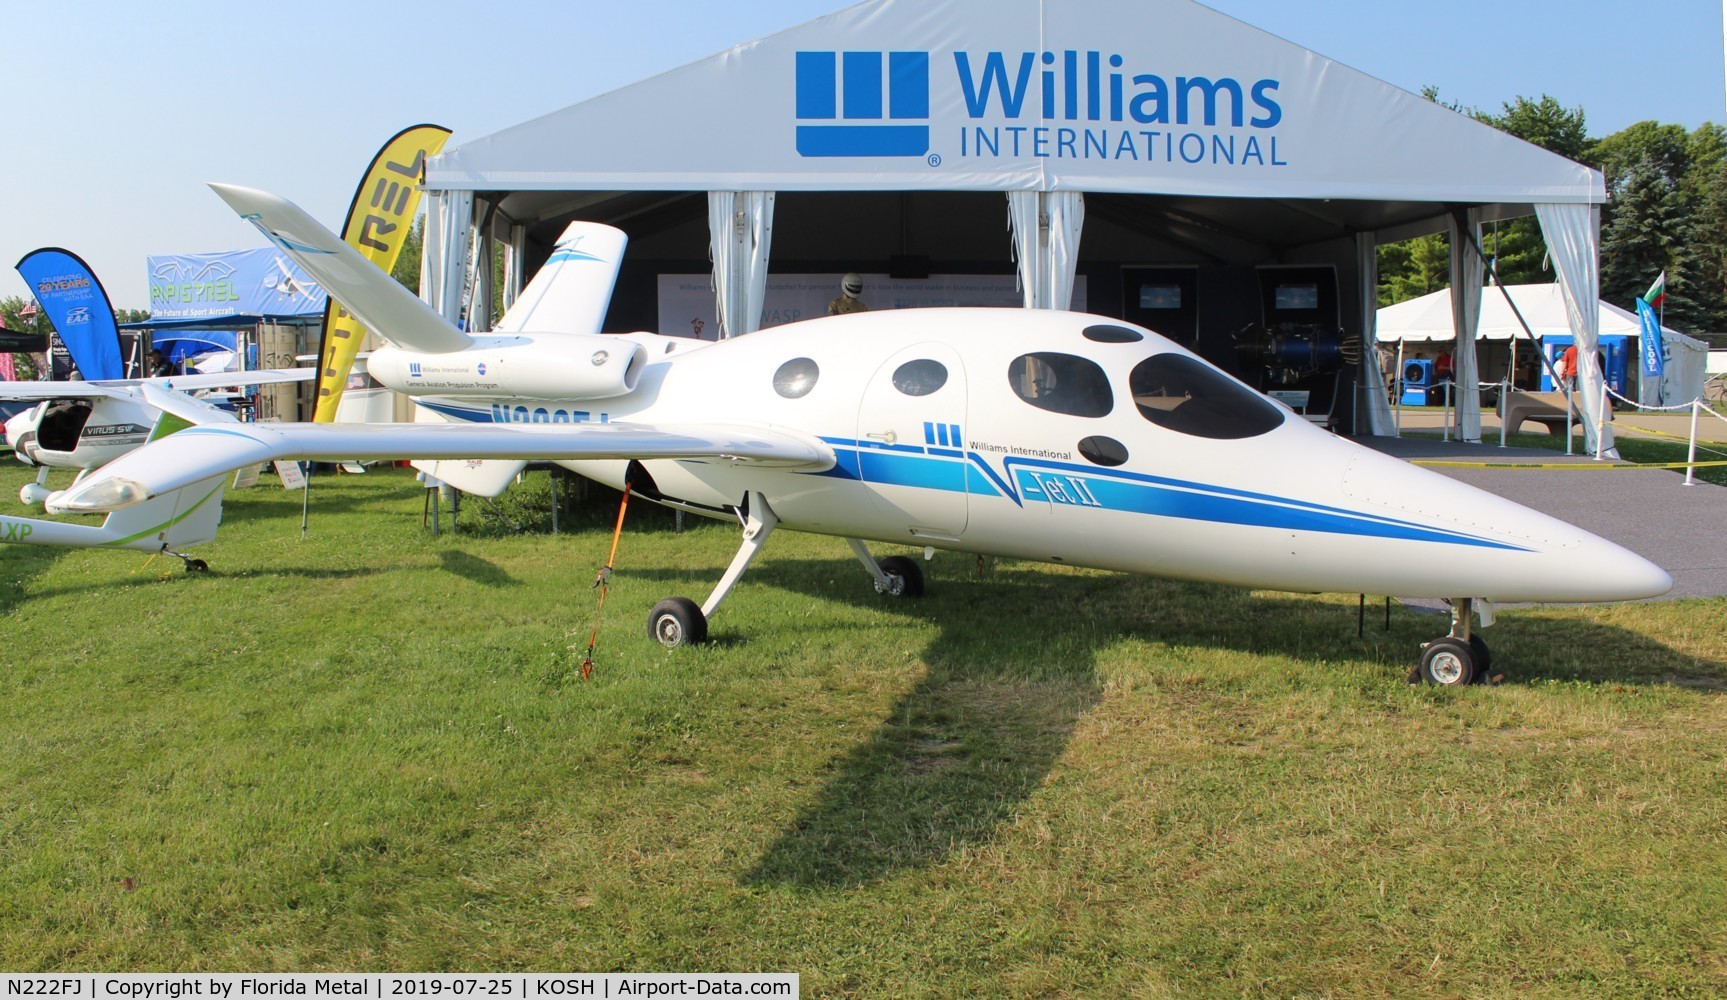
677, 621
1461, 657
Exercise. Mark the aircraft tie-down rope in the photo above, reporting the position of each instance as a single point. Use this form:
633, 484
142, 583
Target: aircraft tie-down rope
601, 583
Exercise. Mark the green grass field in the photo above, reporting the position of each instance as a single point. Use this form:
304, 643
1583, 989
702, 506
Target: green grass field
369, 749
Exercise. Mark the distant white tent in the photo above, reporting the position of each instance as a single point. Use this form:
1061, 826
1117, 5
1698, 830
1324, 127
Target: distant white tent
1428, 318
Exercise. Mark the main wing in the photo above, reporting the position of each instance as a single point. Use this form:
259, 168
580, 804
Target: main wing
200, 452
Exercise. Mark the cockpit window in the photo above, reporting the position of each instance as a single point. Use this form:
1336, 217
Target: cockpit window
1189, 396
1061, 383
920, 377
796, 378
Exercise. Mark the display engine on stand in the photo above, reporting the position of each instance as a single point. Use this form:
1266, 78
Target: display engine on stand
1298, 351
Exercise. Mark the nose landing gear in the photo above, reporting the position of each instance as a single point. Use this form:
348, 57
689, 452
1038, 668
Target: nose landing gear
1461, 657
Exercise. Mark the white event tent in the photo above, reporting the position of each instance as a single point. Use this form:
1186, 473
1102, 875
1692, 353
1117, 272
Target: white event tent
1150, 131
1542, 308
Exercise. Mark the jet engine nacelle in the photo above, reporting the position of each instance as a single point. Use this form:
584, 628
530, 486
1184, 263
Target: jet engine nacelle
551, 366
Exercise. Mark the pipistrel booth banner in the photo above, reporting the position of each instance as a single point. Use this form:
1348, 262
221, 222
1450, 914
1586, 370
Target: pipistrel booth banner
236, 283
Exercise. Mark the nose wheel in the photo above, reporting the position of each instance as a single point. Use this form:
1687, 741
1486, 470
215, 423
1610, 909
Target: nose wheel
1461, 657
1448, 662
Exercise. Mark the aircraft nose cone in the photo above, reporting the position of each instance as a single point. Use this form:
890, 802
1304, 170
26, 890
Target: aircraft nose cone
1614, 573
1509, 553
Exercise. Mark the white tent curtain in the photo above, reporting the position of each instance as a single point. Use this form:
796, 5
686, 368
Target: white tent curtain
1573, 238
449, 225
1466, 273
482, 292
1375, 405
1046, 227
515, 255
740, 234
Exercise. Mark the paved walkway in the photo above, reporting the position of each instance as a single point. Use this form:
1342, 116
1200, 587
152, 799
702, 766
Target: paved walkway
1682, 529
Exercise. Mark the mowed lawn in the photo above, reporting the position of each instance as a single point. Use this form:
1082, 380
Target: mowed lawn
369, 749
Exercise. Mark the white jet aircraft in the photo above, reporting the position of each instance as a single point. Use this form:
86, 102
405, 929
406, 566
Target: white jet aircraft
1051, 436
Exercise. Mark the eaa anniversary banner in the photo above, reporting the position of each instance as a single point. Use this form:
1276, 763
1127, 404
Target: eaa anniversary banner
78, 307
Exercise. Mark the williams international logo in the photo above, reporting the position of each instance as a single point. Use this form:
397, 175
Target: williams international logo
863, 103
1066, 104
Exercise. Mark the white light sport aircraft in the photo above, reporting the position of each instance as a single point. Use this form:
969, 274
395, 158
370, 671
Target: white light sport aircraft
83, 425
1038, 435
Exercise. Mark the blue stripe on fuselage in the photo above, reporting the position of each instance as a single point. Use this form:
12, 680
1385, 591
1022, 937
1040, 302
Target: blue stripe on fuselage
1128, 492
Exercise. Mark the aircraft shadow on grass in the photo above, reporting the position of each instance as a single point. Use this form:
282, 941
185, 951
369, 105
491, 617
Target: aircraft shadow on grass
475, 569
1014, 670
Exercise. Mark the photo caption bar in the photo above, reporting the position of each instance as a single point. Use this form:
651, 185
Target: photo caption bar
395, 986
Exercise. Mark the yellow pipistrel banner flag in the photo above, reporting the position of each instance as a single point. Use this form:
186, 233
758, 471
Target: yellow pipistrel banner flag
379, 221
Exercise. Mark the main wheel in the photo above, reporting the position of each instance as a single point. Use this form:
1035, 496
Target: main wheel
677, 621
906, 573
1448, 662
197, 566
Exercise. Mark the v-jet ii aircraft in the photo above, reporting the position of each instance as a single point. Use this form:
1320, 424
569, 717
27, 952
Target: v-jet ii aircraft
1051, 436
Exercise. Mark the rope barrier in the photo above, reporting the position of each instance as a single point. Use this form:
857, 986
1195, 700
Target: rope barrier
1646, 407
1591, 466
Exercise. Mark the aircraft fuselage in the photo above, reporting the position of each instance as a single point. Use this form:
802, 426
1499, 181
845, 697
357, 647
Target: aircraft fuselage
1064, 438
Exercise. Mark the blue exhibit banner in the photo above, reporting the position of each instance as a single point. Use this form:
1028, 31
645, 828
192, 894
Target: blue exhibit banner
202, 286
1652, 351
78, 307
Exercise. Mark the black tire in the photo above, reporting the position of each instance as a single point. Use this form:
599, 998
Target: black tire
677, 621
197, 566
1448, 662
1483, 656
907, 572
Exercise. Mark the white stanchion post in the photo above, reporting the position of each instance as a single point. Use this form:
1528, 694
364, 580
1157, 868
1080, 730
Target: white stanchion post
1570, 405
1504, 402
1447, 434
1601, 422
1691, 451
1399, 380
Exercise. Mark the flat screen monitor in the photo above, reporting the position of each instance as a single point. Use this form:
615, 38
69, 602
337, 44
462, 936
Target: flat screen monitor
1296, 297
1160, 296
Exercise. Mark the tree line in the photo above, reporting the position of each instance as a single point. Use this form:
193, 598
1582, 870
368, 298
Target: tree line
1666, 212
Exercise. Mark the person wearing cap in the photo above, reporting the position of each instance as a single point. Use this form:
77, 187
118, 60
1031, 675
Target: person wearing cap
851, 286
159, 366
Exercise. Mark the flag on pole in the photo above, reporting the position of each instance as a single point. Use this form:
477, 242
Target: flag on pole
1653, 352
1657, 292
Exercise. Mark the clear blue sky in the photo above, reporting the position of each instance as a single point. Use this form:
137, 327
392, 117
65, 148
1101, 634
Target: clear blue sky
120, 111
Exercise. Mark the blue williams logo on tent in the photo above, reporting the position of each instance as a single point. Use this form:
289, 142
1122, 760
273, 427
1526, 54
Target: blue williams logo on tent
877, 102
1066, 104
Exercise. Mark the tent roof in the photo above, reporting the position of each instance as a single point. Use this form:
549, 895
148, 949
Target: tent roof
992, 95
1543, 308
